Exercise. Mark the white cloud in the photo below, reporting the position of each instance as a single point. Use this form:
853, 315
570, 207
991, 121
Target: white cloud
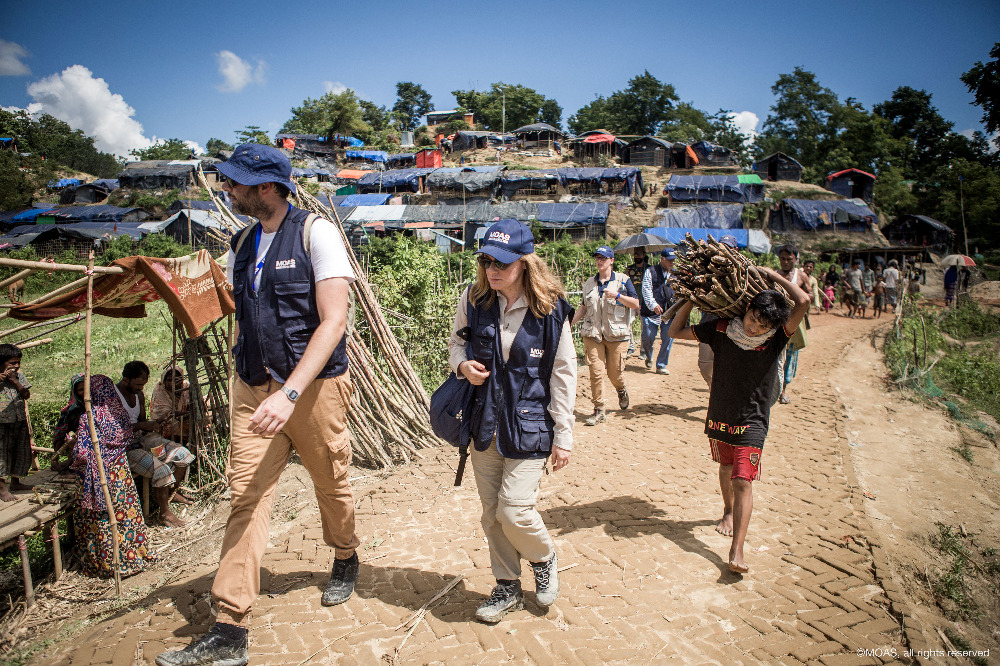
239, 73
194, 146
335, 87
746, 122
87, 103
10, 59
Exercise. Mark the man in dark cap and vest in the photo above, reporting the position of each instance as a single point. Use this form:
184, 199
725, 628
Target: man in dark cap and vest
291, 276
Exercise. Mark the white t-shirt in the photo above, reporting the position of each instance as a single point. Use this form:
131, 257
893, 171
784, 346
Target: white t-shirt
326, 253
891, 275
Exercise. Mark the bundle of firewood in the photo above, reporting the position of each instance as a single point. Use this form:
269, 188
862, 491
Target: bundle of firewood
717, 278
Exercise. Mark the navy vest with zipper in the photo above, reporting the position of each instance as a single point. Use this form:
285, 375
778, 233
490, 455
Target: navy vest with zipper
663, 294
277, 321
513, 401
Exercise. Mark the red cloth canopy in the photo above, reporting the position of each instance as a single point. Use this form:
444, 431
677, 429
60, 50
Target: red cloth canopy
600, 138
841, 173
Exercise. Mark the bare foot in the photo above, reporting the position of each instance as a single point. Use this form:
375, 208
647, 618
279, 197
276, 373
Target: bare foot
170, 520
736, 564
180, 499
725, 526
17, 485
6, 496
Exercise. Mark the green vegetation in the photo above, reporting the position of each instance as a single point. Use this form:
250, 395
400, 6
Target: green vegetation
412, 102
518, 104
166, 149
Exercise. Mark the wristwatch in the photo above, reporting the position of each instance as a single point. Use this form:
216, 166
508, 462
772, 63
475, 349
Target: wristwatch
292, 394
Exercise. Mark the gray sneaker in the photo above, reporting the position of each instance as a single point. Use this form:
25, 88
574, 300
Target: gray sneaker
223, 645
597, 417
546, 581
623, 401
505, 597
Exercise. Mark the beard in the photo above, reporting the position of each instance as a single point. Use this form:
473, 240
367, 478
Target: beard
251, 204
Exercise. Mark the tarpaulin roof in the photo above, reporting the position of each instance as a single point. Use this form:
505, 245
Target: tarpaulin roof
156, 168
307, 173
193, 204
376, 213
483, 213
401, 157
63, 182
631, 176
579, 213
811, 214
356, 143
351, 174
477, 169
371, 155
847, 171
468, 180
778, 155
102, 212
365, 199
930, 221
754, 240
600, 138
107, 183
26, 233
8, 215
393, 179
194, 288
536, 174
200, 217
713, 188
29, 214
701, 217
644, 139
536, 127
749, 179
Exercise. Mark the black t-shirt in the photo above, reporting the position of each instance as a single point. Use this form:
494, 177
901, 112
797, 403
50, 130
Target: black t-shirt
739, 406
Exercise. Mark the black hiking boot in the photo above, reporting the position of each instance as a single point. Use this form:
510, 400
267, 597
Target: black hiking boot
546, 581
506, 597
342, 579
623, 401
223, 645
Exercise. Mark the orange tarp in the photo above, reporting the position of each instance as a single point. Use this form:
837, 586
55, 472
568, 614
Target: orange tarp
352, 174
194, 288
690, 153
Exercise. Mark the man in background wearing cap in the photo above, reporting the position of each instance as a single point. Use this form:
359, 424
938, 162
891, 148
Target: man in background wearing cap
658, 297
706, 357
607, 329
292, 392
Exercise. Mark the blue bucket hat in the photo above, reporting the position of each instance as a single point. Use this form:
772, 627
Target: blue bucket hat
729, 240
507, 241
667, 253
604, 251
256, 164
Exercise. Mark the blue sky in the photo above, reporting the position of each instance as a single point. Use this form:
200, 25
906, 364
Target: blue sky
132, 72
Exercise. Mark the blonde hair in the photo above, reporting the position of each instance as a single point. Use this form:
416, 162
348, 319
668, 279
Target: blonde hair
542, 289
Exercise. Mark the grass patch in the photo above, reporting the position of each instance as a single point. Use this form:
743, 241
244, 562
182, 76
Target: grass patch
952, 584
962, 643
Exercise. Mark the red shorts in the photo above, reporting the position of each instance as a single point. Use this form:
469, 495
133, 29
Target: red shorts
744, 459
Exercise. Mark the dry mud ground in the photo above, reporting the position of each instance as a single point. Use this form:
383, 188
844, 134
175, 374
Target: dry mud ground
833, 573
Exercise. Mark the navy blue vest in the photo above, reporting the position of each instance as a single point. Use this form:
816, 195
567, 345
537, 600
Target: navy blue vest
663, 294
277, 321
513, 402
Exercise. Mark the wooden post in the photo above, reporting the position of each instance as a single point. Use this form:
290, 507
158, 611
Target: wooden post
56, 549
29, 588
94, 442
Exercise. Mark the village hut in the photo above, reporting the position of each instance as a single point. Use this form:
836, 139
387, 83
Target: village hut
647, 151
852, 183
778, 166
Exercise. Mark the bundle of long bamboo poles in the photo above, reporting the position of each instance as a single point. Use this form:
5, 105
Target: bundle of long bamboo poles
717, 278
388, 418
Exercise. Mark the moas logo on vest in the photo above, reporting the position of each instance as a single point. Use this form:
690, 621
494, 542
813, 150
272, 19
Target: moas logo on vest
500, 236
536, 353
287, 263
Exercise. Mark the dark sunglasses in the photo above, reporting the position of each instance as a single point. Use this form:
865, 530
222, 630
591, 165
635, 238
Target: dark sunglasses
229, 181
486, 262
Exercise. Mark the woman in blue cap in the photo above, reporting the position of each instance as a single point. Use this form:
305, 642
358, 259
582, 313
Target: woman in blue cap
512, 341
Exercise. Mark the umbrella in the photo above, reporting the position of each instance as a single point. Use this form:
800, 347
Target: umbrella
648, 241
958, 260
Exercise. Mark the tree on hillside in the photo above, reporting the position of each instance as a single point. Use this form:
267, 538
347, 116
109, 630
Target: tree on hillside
20, 177
167, 149
384, 133
519, 104
596, 115
215, 145
724, 132
51, 138
979, 191
686, 124
331, 114
983, 81
253, 134
643, 106
893, 194
412, 103
798, 123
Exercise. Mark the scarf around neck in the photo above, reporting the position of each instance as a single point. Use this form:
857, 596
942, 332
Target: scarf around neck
738, 335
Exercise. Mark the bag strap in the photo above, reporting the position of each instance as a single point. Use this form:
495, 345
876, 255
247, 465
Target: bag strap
243, 237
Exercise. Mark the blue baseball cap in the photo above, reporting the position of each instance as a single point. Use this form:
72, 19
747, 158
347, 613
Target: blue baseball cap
668, 253
256, 164
507, 241
729, 240
604, 251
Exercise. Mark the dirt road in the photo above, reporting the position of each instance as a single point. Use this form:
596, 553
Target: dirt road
633, 517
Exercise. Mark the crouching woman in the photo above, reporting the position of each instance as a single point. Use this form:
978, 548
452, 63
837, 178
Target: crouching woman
521, 359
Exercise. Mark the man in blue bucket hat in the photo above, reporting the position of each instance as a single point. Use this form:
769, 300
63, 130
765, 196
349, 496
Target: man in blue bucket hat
658, 297
291, 276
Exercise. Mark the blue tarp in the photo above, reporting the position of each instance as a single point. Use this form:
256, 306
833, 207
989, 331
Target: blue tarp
477, 169
27, 215
393, 179
354, 143
308, 173
754, 240
812, 215
26, 233
365, 199
401, 157
726, 189
94, 213
63, 182
631, 176
370, 155
110, 184
701, 217
573, 214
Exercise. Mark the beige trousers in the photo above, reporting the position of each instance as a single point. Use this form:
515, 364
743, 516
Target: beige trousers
317, 430
508, 489
604, 357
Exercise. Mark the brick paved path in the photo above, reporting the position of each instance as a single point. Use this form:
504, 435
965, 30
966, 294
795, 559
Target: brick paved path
633, 515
